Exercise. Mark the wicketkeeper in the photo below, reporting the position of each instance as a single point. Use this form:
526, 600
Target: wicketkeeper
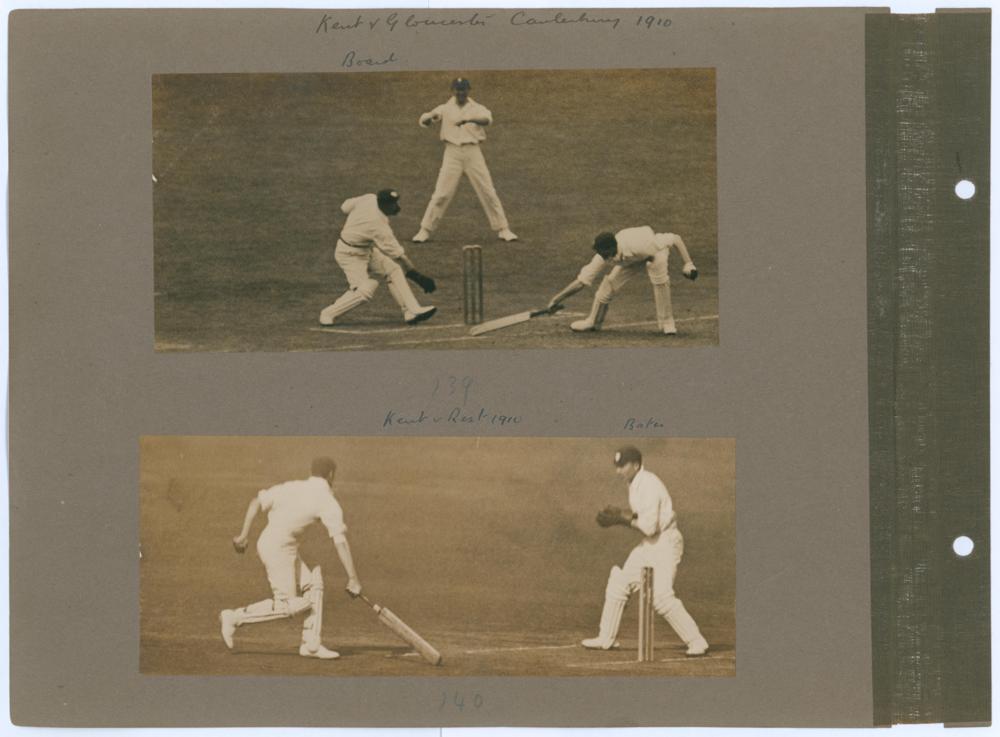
367, 248
651, 514
296, 589
629, 250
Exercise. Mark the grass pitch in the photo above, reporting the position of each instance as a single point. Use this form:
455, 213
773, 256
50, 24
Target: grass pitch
251, 169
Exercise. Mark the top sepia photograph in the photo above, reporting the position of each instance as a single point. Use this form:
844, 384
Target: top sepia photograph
435, 210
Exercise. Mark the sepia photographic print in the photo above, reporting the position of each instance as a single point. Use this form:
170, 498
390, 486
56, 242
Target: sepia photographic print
445, 210
437, 556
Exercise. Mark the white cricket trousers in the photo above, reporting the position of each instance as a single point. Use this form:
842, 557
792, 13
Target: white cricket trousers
662, 554
468, 160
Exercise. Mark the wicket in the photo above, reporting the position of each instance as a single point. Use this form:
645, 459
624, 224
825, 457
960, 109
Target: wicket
472, 263
646, 616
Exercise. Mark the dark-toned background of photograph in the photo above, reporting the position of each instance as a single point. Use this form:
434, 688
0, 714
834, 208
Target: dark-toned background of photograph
250, 171
487, 547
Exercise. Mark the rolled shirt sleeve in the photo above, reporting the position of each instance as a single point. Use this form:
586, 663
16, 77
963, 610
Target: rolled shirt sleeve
591, 271
429, 116
481, 111
332, 517
266, 498
385, 241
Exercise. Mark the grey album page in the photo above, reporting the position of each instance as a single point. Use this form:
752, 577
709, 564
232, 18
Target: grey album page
407, 367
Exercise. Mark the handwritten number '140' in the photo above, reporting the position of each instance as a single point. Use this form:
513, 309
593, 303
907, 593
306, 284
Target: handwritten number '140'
457, 700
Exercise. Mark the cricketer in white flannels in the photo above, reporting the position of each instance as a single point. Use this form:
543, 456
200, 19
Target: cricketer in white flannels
462, 122
629, 250
661, 549
367, 247
295, 588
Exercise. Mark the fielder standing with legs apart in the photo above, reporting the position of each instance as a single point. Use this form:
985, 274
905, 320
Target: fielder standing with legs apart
462, 122
629, 250
367, 247
291, 507
652, 514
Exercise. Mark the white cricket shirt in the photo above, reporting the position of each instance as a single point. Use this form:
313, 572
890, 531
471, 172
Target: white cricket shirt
368, 226
452, 113
294, 505
648, 497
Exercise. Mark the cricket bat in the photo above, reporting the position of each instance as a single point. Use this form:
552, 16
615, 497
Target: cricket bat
397, 625
506, 322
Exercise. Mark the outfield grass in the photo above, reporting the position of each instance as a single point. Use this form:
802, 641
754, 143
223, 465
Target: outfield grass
496, 560
251, 170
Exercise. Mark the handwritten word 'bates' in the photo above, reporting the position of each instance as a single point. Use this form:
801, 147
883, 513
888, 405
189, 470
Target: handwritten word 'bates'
457, 416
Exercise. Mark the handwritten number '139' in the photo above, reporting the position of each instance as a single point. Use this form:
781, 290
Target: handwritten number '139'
450, 386
458, 701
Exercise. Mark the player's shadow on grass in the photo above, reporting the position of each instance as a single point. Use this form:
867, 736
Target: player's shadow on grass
344, 650
394, 650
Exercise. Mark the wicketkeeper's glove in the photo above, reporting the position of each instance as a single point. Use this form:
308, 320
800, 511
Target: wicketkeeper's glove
690, 271
610, 516
424, 282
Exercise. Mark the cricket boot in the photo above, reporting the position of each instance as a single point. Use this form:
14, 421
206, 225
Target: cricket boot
227, 619
615, 596
413, 311
671, 609
320, 652
348, 301
602, 298
611, 618
593, 321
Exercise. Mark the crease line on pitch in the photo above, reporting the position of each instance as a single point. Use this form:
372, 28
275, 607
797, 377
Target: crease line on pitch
422, 328
609, 663
384, 346
519, 648
701, 318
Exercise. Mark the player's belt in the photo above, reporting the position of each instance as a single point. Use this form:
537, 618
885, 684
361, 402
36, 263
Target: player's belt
348, 243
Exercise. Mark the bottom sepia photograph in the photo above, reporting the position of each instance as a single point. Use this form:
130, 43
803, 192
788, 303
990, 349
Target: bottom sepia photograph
407, 556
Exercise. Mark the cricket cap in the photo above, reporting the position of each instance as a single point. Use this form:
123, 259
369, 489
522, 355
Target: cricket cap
388, 201
627, 454
461, 83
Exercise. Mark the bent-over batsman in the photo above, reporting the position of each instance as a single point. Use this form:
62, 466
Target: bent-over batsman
629, 250
652, 515
367, 247
290, 508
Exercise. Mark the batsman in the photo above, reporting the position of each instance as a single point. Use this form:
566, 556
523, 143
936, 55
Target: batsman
629, 251
295, 587
651, 514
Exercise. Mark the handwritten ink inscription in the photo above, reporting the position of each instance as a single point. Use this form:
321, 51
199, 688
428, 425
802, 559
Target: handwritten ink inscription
646, 423
351, 59
454, 416
524, 19
458, 701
